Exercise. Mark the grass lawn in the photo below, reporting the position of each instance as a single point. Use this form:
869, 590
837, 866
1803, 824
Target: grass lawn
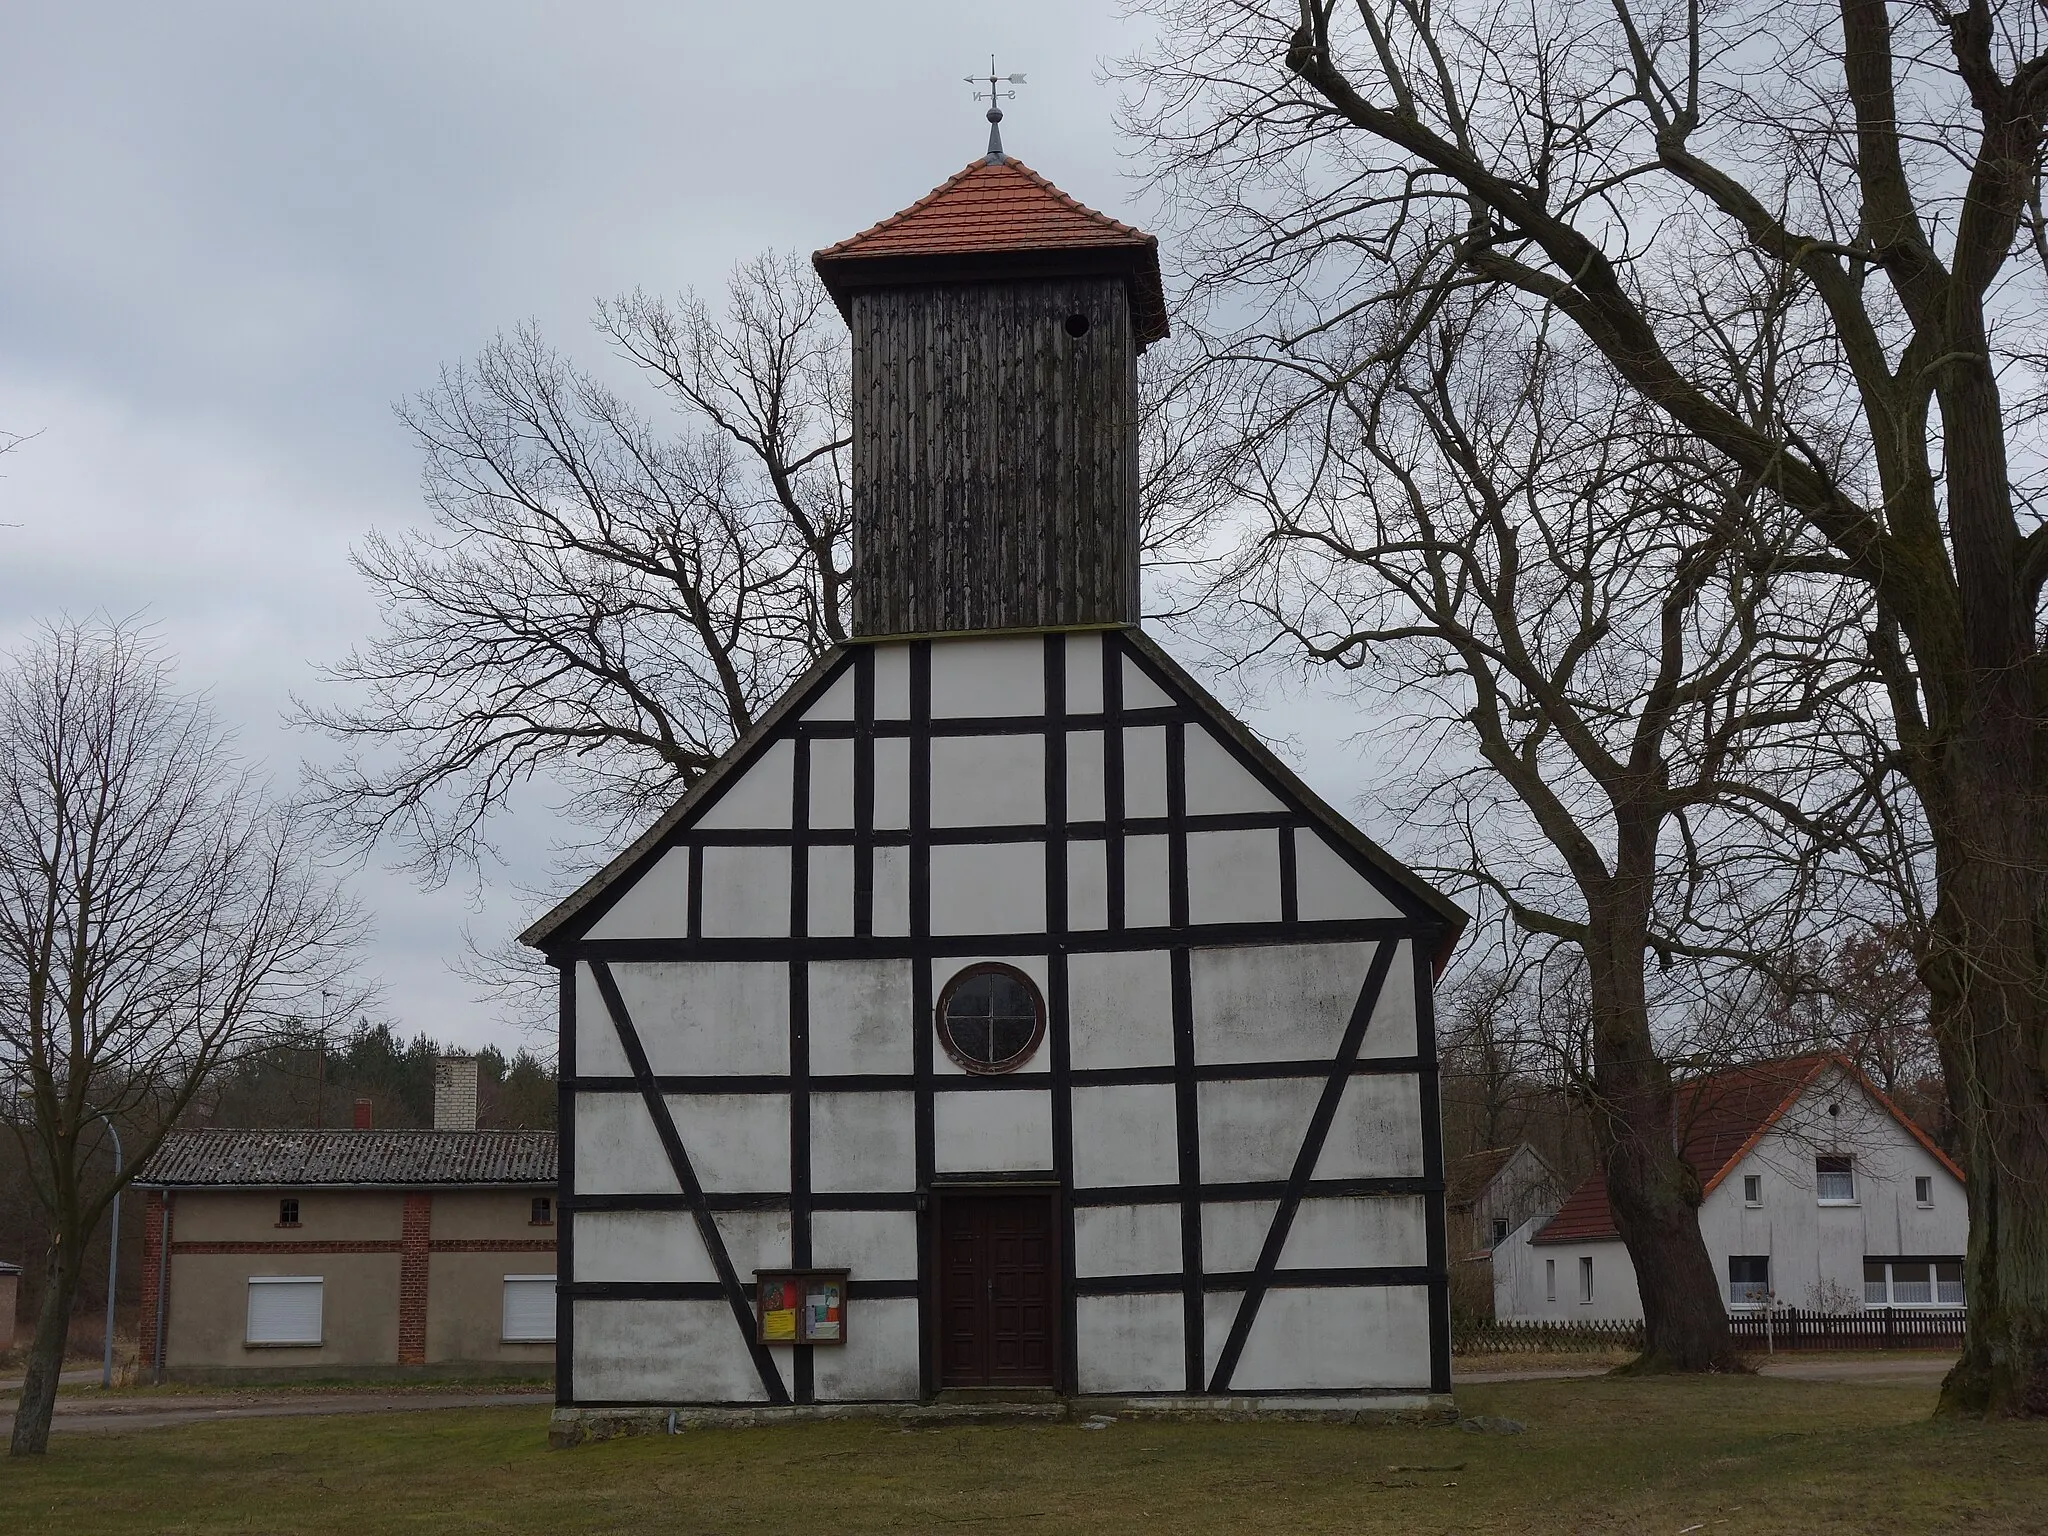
1741, 1455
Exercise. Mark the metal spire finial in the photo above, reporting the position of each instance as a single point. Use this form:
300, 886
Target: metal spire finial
995, 96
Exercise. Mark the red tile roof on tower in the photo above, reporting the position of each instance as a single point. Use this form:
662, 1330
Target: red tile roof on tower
1721, 1118
1002, 208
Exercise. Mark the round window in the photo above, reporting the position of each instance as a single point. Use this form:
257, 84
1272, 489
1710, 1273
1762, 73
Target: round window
991, 1018
1077, 325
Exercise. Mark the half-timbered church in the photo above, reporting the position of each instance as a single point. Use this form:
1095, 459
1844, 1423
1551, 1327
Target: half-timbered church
999, 1013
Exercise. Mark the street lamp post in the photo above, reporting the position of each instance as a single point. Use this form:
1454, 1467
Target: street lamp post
113, 1257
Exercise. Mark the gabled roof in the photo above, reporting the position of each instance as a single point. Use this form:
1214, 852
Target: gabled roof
996, 218
1467, 1177
1721, 1118
648, 846
273, 1159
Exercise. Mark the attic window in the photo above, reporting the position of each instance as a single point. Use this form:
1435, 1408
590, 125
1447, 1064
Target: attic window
991, 1018
288, 1212
1834, 1180
1752, 1189
543, 1212
1923, 1190
1500, 1229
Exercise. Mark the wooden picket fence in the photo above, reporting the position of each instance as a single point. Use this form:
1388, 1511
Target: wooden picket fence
1789, 1328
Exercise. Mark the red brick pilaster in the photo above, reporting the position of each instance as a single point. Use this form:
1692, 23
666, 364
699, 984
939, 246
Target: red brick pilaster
413, 1249
156, 1223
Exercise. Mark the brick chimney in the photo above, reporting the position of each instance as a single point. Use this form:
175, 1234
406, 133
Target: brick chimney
364, 1119
455, 1093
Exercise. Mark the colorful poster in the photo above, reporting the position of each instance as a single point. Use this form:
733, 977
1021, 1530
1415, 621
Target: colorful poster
824, 1311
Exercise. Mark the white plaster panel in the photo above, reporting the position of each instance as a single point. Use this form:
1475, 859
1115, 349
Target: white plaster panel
1125, 1135
987, 781
1253, 1129
759, 797
635, 1246
1362, 1232
892, 783
878, 1361
1131, 1343
1084, 674
1234, 1233
863, 1141
1145, 883
1335, 1338
1001, 1131
1218, 784
1219, 1309
701, 1016
618, 1151
1326, 886
875, 1245
988, 888
598, 1051
892, 682
662, 1352
828, 892
836, 702
735, 1141
1084, 776
754, 1240
1120, 1009
1145, 771
1393, 1027
831, 781
1275, 1002
746, 893
1126, 1240
891, 914
1140, 692
656, 906
860, 1016
1087, 885
1234, 877
1377, 1132
947, 967
1004, 676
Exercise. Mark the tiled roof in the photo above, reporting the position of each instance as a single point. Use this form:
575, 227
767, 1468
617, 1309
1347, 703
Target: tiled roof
278, 1159
1001, 209
1005, 206
1721, 1118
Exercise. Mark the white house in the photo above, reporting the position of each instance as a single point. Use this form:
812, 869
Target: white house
1819, 1193
999, 1013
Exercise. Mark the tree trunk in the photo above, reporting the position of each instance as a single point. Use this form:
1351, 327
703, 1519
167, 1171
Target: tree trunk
1991, 1022
46, 1352
1652, 1191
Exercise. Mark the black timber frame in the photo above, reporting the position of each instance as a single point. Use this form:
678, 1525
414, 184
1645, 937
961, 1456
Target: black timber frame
1425, 930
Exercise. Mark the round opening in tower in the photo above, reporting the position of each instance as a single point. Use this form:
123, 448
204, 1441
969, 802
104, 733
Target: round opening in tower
1077, 325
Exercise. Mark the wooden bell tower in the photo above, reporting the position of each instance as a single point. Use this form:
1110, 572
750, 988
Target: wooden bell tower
996, 330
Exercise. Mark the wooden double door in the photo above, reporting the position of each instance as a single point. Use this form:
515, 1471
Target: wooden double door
999, 1288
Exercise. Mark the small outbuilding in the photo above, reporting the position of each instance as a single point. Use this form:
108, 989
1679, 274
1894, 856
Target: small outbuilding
281, 1254
999, 1014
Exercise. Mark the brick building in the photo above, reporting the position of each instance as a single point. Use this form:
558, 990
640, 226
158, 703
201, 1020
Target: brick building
296, 1253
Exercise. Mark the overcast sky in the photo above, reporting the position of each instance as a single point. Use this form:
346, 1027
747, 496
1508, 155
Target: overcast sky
232, 235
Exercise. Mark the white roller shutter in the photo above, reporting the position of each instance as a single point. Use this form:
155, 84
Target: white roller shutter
284, 1309
529, 1309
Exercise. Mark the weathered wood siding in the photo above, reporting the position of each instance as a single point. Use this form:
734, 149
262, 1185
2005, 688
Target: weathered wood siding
995, 457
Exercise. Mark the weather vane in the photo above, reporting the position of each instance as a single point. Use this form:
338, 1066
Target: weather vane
995, 96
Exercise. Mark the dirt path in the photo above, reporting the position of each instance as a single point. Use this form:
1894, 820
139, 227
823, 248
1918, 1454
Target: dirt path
80, 1415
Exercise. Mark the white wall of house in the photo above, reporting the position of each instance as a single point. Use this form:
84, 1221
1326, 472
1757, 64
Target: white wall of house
1817, 1249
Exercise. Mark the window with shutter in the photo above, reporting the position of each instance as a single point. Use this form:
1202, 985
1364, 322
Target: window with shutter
285, 1309
529, 1309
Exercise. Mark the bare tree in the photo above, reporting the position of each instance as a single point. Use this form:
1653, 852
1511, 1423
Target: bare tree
1615, 165
157, 913
602, 601
1616, 669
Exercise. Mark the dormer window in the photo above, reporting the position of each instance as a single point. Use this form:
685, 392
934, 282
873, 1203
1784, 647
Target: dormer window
1834, 1180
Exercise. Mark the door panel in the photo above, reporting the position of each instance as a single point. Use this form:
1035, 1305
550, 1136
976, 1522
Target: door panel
998, 1290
